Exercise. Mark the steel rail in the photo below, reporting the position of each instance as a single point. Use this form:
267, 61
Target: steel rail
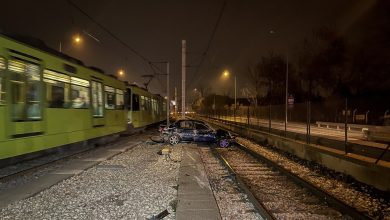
259, 206
321, 194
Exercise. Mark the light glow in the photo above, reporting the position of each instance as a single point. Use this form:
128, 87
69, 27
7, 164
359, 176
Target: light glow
226, 73
77, 39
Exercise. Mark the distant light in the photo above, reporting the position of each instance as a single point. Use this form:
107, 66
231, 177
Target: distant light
77, 39
226, 73
121, 72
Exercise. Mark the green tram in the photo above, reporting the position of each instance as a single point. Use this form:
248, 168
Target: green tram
146, 108
48, 99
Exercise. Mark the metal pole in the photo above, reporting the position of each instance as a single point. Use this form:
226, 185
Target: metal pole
175, 101
60, 47
269, 110
309, 122
235, 95
183, 78
346, 127
269, 118
285, 120
168, 98
214, 105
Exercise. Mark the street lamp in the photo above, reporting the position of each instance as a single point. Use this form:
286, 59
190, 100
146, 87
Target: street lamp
121, 72
77, 39
226, 74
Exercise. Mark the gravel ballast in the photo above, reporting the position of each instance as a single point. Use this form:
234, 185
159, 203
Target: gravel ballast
136, 184
232, 203
377, 208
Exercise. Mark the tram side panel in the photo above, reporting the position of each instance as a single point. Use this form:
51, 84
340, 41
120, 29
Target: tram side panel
32, 116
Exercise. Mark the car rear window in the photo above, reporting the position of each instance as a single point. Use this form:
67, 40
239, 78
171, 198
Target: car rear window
201, 127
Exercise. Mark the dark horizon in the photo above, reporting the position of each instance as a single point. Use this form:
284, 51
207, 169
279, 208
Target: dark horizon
246, 32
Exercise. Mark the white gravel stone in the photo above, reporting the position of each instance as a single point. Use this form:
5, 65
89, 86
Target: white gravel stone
139, 190
361, 201
232, 203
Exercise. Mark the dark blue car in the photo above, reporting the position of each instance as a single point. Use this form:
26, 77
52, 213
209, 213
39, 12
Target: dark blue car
195, 131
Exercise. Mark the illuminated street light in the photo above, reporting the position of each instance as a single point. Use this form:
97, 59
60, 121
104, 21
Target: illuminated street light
121, 72
77, 39
226, 73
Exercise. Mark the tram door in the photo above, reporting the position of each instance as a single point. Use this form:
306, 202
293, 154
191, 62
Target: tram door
97, 104
25, 96
128, 105
3, 93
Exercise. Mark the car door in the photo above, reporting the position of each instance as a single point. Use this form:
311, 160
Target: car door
203, 133
186, 130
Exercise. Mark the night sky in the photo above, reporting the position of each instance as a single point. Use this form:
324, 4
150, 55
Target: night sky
155, 29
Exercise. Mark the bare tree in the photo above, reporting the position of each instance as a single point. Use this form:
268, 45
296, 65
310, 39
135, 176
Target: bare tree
321, 62
250, 94
204, 90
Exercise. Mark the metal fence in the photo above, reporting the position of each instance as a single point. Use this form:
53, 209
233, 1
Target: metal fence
334, 120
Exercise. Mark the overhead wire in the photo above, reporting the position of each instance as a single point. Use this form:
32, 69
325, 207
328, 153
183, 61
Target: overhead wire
209, 42
134, 51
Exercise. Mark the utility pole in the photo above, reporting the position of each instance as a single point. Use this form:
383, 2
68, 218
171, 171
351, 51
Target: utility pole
175, 101
235, 97
285, 120
183, 78
168, 98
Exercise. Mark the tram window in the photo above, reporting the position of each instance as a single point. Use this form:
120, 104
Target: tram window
128, 99
154, 105
143, 108
97, 99
146, 104
119, 99
79, 93
110, 97
2, 81
135, 106
58, 96
26, 90
57, 85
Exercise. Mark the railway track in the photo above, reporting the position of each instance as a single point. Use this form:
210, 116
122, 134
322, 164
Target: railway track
279, 194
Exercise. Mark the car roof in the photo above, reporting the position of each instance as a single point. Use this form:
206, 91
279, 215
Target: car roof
192, 120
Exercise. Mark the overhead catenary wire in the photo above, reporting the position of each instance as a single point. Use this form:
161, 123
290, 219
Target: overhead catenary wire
209, 42
113, 35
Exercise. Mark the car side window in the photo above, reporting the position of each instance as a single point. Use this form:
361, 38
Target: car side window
186, 125
201, 127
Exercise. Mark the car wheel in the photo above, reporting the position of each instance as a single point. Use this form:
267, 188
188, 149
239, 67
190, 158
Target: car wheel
174, 139
224, 143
